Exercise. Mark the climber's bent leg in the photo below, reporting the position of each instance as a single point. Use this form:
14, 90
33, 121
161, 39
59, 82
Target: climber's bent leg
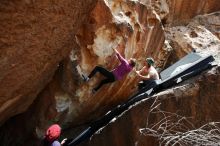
110, 78
101, 70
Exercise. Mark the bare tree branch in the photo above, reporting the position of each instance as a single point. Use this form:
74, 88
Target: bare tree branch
175, 130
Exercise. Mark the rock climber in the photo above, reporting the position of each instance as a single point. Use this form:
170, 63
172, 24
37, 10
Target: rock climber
117, 73
147, 74
52, 135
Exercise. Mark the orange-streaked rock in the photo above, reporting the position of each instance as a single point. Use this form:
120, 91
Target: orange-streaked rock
47, 45
178, 12
34, 37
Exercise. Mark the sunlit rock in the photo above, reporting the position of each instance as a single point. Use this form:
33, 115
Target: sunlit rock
46, 46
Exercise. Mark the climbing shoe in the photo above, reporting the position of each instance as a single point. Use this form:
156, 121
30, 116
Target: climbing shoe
85, 78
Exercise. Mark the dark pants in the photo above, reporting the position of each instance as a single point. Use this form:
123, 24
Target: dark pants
147, 84
109, 76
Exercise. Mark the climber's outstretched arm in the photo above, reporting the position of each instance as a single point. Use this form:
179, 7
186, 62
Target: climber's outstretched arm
120, 58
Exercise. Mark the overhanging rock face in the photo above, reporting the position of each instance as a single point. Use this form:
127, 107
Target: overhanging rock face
47, 45
108, 24
35, 36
